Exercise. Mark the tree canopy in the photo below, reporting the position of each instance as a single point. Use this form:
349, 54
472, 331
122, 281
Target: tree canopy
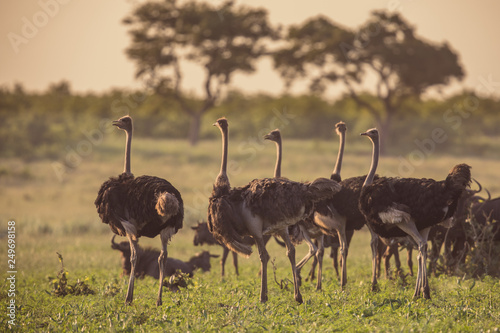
220, 39
385, 47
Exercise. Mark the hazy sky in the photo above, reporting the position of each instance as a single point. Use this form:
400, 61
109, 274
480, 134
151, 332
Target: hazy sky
83, 41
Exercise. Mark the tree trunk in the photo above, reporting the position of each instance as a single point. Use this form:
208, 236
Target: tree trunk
194, 129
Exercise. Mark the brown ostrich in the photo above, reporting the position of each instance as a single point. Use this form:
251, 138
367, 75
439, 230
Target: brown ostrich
304, 230
340, 215
141, 206
263, 207
397, 207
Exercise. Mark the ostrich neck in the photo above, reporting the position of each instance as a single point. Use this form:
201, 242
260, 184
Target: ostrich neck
223, 167
373, 167
338, 163
126, 168
277, 169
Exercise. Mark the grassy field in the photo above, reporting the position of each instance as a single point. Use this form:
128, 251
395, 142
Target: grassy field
52, 205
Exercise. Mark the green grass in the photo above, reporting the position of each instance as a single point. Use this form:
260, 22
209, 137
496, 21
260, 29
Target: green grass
59, 216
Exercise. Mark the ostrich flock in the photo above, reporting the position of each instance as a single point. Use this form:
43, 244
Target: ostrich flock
314, 212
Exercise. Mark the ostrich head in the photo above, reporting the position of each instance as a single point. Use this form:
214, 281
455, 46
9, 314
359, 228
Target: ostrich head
371, 133
124, 123
273, 136
221, 123
340, 127
459, 177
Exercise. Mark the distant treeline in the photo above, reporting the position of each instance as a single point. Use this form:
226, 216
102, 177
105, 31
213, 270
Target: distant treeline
42, 125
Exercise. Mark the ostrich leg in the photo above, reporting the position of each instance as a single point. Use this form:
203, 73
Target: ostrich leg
426, 291
225, 253
264, 258
374, 246
290, 252
343, 255
421, 239
312, 249
165, 236
409, 261
133, 259
235, 262
319, 257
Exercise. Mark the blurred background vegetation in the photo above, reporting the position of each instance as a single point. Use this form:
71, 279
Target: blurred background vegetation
384, 55
44, 125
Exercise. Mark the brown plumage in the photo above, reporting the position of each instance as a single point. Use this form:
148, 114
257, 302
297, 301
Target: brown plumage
426, 201
340, 215
140, 206
396, 207
305, 230
264, 206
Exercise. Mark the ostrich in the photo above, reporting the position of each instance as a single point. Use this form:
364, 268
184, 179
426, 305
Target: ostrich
141, 206
396, 207
304, 230
340, 215
262, 207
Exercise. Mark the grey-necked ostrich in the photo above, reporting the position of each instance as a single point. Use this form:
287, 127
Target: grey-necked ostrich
340, 215
263, 207
330, 239
396, 207
304, 230
140, 206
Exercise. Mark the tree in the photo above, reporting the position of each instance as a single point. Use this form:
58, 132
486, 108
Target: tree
385, 48
222, 40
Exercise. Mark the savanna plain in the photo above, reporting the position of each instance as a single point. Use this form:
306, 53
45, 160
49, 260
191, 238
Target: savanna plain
54, 213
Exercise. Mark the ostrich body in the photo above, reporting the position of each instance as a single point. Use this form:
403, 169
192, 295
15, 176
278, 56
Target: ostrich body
396, 207
263, 207
140, 206
304, 230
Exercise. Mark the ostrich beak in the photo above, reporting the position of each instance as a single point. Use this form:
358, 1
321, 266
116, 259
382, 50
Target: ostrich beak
267, 137
214, 124
364, 133
116, 123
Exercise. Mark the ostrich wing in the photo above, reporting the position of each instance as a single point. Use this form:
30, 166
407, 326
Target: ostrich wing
110, 202
142, 197
224, 223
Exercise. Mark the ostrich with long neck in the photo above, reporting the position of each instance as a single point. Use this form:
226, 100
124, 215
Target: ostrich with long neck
333, 240
397, 207
304, 230
340, 215
340, 129
125, 124
142, 206
275, 136
263, 207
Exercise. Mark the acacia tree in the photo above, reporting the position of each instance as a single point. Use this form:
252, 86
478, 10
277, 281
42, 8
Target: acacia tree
222, 40
385, 48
